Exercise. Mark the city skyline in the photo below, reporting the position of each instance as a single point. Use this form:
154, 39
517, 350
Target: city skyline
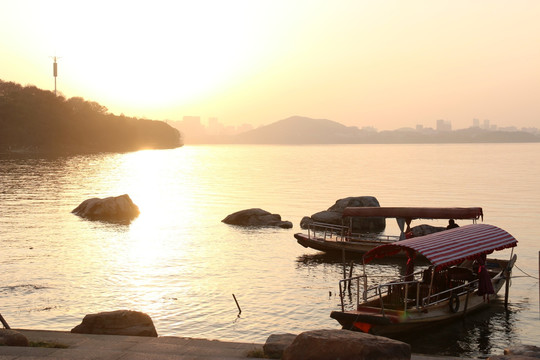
196, 127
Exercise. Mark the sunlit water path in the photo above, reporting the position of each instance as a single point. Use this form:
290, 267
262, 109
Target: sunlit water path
180, 264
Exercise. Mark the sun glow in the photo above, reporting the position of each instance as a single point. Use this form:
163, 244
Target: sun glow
128, 55
257, 62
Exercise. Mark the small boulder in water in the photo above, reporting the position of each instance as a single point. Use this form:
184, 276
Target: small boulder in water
256, 217
113, 209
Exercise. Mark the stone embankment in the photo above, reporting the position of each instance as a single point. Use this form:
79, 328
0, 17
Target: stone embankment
317, 344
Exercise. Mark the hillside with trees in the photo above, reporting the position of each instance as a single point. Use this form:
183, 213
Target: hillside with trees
35, 120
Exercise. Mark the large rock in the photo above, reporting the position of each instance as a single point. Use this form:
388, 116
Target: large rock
256, 217
334, 215
424, 229
345, 345
10, 337
119, 322
112, 209
276, 344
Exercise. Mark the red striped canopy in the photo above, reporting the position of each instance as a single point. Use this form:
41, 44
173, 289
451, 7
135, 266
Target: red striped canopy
450, 247
416, 212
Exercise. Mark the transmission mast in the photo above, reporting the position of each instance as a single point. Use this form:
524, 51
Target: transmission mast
55, 72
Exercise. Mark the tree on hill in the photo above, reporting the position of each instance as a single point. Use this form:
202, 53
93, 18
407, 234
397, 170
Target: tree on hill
36, 120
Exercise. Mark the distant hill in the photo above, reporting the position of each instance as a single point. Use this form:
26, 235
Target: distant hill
37, 121
303, 130
300, 130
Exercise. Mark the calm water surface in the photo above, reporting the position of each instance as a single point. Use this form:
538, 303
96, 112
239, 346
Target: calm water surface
180, 264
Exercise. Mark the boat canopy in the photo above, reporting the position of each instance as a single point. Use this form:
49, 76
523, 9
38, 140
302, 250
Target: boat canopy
449, 247
410, 213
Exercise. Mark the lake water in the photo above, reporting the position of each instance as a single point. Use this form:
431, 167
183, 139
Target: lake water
181, 265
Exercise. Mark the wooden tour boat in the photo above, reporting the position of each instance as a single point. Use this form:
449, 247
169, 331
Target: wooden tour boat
460, 279
338, 238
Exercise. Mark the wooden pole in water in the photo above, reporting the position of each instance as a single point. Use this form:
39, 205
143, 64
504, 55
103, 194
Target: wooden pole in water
350, 275
508, 275
238, 306
344, 268
507, 287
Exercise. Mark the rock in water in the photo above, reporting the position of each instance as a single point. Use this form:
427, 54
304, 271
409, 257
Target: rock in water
334, 215
119, 322
111, 209
256, 217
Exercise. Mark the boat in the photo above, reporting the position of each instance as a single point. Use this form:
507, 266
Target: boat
338, 238
459, 279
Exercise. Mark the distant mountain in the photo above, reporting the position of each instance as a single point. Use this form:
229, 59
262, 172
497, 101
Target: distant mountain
304, 130
300, 130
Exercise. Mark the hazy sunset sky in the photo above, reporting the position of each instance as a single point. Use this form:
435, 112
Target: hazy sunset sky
386, 64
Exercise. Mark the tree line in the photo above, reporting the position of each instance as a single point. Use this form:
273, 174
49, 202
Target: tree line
35, 120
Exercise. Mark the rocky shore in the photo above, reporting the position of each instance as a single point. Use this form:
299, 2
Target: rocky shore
50, 345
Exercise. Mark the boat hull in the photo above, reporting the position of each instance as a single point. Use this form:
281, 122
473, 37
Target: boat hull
359, 247
400, 322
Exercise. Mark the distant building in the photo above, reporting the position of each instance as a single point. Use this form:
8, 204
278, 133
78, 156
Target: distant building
214, 127
486, 124
476, 123
443, 125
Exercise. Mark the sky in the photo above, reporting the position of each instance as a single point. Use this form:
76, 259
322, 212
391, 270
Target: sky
385, 64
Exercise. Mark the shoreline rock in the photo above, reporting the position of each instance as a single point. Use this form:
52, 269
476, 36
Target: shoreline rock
119, 322
10, 337
345, 345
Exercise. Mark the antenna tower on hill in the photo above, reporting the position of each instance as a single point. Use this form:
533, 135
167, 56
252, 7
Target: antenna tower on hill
55, 71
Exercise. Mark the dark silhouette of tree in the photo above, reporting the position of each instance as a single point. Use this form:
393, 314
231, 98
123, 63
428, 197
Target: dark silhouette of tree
36, 120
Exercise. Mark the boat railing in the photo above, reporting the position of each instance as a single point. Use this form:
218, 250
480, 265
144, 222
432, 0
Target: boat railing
383, 238
444, 295
359, 282
360, 286
327, 231
404, 294
407, 286
334, 232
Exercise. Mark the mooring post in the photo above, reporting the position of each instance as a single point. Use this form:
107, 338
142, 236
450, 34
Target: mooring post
507, 288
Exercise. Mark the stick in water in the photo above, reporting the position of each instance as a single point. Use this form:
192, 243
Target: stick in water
238, 306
